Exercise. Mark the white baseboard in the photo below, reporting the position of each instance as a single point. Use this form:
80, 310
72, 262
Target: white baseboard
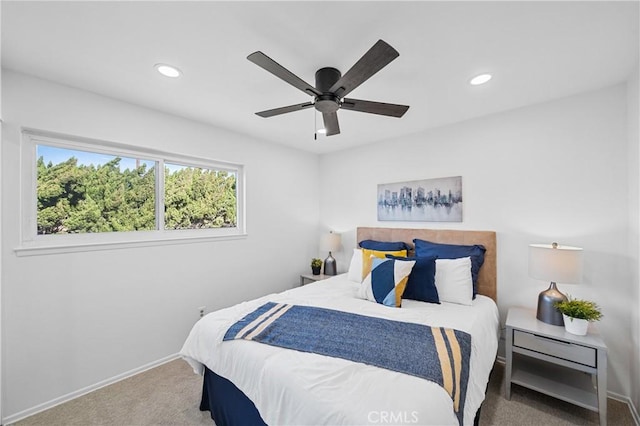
68, 397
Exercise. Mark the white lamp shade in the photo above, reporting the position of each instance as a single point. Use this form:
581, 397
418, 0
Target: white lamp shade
330, 242
560, 264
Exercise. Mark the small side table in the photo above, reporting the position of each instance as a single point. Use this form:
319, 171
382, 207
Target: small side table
309, 278
549, 360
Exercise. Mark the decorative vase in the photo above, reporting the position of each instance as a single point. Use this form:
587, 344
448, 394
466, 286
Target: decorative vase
575, 326
316, 270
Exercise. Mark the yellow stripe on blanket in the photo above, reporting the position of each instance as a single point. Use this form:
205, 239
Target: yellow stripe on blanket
457, 364
451, 374
443, 356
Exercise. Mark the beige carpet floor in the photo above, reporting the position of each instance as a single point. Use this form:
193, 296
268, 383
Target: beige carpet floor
170, 395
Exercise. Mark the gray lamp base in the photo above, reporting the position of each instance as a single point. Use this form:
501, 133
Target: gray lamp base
547, 312
330, 265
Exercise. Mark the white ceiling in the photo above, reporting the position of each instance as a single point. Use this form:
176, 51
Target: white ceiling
536, 51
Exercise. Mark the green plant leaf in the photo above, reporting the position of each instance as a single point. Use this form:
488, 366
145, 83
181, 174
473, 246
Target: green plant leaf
580, 309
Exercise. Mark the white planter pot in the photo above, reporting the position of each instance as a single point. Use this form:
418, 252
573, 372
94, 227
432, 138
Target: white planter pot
575, 325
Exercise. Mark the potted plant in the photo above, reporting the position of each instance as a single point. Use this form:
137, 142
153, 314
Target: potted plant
316, 264
577, 314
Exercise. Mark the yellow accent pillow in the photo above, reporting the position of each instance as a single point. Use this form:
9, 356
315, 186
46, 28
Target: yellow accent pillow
366, 258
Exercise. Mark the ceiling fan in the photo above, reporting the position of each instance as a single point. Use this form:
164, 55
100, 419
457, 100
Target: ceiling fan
332, 87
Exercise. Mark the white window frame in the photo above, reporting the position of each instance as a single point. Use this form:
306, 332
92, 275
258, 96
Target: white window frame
34, 244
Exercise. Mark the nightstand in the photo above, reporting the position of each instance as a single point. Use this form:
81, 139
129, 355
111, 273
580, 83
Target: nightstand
309, 278
549, 360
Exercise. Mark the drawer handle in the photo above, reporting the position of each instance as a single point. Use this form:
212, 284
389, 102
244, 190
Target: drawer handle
552, 340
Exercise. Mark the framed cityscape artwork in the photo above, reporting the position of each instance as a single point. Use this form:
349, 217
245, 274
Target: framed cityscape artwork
428, 200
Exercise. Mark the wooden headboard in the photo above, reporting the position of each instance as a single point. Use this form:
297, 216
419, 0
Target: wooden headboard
487, 278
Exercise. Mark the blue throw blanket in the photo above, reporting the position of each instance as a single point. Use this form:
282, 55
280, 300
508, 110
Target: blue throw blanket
437, 354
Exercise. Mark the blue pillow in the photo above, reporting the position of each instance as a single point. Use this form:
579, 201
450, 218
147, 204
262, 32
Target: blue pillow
452, 251
421, 284
384, 245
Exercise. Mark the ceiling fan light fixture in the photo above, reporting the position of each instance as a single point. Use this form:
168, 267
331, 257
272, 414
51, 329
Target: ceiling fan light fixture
480, 79
331, 89
168, 70
322, 131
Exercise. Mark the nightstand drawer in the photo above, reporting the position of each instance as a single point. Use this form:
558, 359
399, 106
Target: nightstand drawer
556, 348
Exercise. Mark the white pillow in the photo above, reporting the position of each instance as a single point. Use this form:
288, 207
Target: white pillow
355, 267
453, 280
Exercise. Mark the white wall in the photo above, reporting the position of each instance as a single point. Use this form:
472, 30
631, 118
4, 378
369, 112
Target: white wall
633, 113
550, 172
72, 320
1, 349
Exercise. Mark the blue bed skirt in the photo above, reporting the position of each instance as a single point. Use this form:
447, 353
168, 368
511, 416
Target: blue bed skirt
229, 406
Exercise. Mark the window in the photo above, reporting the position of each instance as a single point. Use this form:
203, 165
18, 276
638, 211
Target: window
92, 193
196, 198
81, 191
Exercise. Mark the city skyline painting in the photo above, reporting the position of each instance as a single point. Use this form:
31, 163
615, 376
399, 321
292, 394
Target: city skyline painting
427, 200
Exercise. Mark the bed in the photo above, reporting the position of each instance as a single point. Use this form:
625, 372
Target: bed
247, 382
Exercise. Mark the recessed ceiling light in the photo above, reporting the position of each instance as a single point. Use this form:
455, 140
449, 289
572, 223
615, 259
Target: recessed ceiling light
168, 70
480, 79
322, 131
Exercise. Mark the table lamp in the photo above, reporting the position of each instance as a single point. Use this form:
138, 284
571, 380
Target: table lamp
330, 242
554, 263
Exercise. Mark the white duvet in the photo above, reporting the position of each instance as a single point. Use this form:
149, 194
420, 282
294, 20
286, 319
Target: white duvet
298, 388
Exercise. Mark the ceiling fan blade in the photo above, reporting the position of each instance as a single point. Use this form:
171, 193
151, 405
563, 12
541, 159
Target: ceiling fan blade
380, 108
331, 123
284, 110
371, 62
263, 61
